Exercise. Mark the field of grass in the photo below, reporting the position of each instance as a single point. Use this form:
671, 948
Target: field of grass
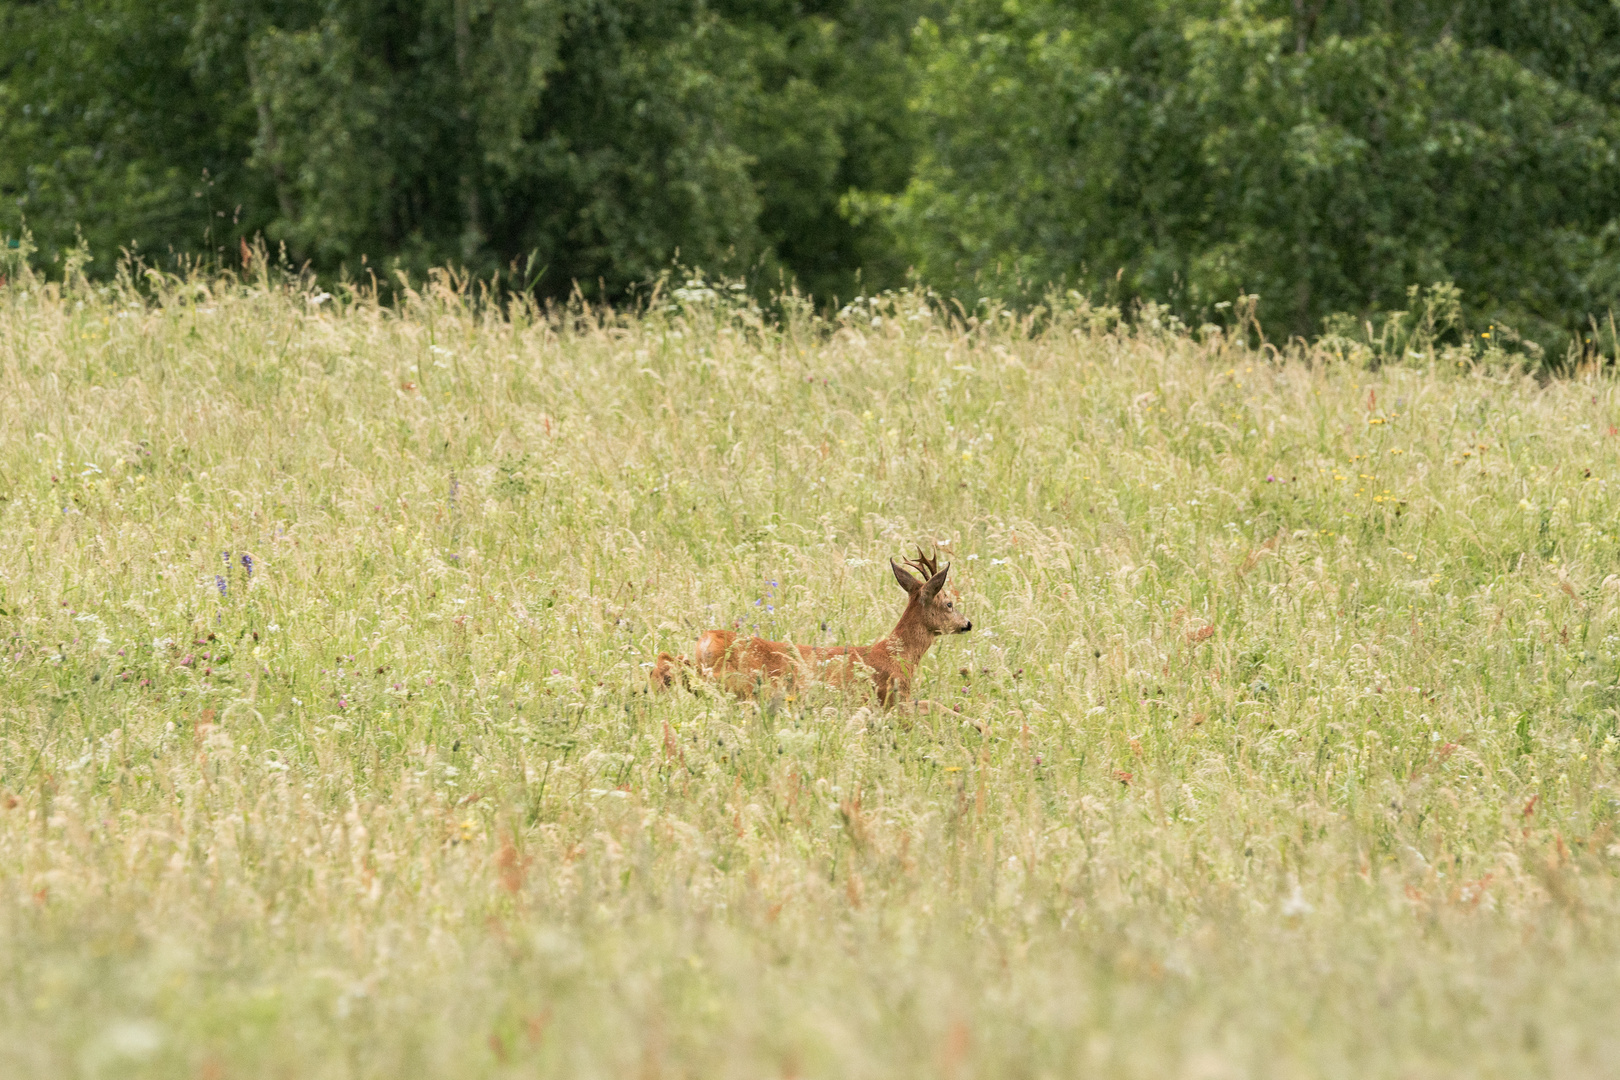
1284, 744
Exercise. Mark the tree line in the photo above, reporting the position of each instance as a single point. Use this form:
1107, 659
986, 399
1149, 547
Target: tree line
1323, 155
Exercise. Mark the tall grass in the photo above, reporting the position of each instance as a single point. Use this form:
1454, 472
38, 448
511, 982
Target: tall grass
1284, 745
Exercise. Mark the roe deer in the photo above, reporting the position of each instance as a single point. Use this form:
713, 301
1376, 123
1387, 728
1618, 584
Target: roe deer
742, 666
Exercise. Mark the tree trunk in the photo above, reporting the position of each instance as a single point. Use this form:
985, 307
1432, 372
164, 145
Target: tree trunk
267, 137
472, 235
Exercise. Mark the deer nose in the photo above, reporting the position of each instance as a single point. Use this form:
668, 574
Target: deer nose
966, 628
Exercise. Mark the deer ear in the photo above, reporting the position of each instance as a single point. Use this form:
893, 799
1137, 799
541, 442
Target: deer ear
935, 583
907, 582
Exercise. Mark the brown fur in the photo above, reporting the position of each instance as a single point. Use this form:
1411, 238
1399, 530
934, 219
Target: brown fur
742, 666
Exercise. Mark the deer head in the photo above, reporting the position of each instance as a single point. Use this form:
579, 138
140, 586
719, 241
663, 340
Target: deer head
935, 605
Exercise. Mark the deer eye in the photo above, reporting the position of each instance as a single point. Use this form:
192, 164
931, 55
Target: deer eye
948, 606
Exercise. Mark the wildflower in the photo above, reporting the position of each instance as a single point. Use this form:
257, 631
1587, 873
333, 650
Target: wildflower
220, 584
226, 557
1270, 479
247, 563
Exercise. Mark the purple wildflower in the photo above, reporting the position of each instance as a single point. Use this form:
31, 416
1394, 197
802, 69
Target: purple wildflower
221, 584
225, 555
247, 563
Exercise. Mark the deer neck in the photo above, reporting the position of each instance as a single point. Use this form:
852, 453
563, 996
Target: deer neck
909, 639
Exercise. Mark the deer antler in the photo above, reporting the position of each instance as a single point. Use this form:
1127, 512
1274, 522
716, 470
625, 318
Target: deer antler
925, 565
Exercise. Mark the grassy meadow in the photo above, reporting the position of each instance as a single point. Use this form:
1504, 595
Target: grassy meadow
1284, 744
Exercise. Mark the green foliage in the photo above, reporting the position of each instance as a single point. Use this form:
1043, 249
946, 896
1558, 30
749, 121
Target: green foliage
594, 141
1323, 157
105, 133
1322, 161
826, 115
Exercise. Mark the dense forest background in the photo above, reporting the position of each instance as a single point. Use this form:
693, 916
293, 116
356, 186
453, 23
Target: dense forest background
1326, 155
